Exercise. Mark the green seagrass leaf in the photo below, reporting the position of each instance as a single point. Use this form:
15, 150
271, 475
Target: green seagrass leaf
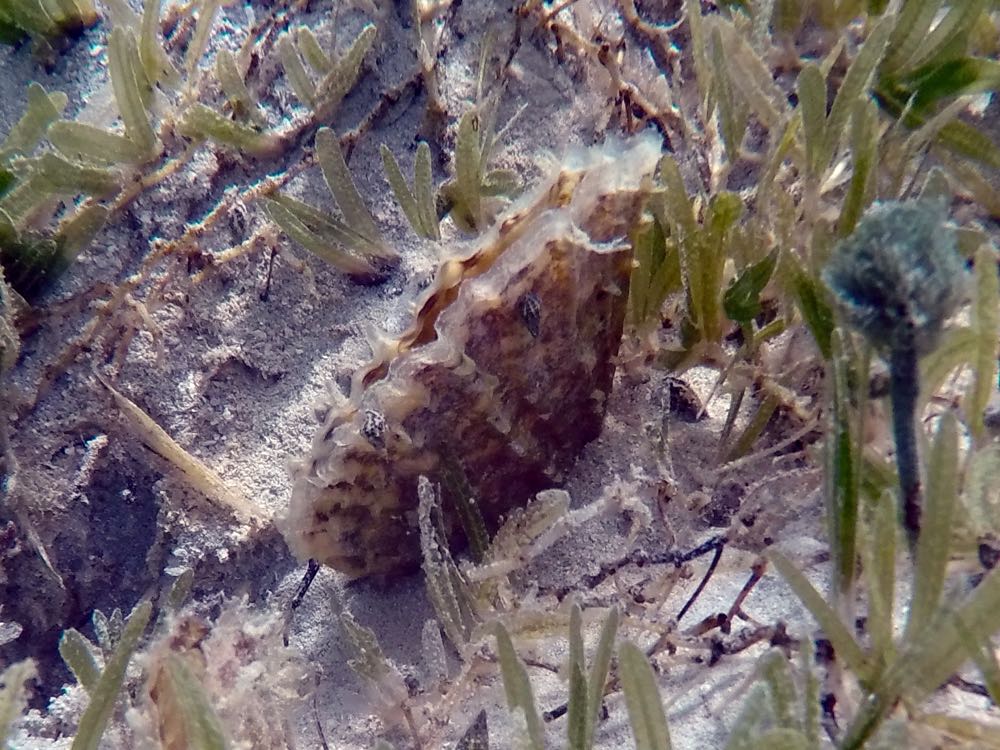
76, 653
517, 687
199, 39
599, 672
344, 75
295, 71
341, 184
642, 699
201, 122
125, 68
312, 52
105, 690
202, 728
14, 693
856, 83
86, 143
43, 109
811, 88
232, 83
741, 300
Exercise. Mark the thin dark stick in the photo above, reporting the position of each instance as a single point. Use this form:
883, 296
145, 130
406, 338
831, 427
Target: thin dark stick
555, 713
716, 542
319, 724
312, 568
969, 687
717, 621
264, 295
757, 572
904, 388
704, 581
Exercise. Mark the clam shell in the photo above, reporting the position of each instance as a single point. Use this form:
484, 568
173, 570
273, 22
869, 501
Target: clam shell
505, 371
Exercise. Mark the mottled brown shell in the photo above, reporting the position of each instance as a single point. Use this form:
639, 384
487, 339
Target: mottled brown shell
506, 370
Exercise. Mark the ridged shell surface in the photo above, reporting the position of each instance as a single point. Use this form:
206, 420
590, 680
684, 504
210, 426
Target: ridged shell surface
505, 371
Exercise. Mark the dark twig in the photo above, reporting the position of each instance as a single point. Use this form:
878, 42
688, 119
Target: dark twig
311, 570
704, 581
756, 573
319, 724
904, 374
967, 686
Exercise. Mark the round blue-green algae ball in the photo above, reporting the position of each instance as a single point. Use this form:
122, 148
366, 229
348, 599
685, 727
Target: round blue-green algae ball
899, 276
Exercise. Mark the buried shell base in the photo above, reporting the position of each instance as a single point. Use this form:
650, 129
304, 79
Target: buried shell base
505, 372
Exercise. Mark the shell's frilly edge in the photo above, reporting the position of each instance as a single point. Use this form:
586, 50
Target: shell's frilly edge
506, 370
